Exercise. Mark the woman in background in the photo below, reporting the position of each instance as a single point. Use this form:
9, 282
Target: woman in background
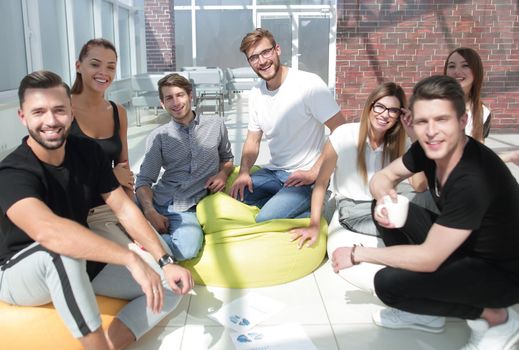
464, 65
96, 118
103, 121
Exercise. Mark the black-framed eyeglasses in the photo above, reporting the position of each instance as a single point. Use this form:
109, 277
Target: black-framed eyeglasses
267, 53
393, 112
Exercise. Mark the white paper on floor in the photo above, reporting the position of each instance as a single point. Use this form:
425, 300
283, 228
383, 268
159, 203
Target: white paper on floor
246, 312
281, 337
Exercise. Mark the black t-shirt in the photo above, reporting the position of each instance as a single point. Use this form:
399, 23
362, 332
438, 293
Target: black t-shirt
68, 190
480, 195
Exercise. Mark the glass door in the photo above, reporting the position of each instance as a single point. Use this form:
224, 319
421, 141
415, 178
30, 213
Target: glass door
304, 38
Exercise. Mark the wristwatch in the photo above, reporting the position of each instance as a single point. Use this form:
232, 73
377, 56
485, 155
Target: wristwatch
165, 260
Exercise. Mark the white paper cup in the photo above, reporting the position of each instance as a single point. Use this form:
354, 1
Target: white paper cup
396, 211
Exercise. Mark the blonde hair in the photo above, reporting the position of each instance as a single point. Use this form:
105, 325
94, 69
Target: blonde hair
394, 138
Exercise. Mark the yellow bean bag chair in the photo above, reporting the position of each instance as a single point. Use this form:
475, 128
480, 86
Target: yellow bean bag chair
41, 327
240, 253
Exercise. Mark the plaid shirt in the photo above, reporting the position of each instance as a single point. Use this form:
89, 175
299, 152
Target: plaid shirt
189, 155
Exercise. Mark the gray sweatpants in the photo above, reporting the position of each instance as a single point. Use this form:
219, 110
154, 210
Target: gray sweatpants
35, 276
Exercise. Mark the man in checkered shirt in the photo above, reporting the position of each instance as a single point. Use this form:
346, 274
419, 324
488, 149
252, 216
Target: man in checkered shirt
195, 153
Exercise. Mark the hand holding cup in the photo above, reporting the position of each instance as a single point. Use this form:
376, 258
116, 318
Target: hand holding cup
396, 210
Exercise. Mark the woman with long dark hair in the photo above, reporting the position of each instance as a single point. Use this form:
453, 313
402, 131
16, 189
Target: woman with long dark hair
464, 65
103, 121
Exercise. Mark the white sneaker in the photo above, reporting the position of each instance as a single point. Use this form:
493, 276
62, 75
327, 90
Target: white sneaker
478, 329
500, 337
398, 319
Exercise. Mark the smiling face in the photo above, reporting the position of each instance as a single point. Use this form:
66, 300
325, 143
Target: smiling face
97, 68
47, 114
268, 64
439, 130
459, 69
382, 122
177, 102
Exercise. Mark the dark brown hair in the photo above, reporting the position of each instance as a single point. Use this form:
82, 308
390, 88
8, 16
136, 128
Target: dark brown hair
77, 87
474, 96
440, 87
174, 79
42, 79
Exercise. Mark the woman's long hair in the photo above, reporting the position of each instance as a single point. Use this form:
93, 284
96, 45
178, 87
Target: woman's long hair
77, 88
476, 105
394, 138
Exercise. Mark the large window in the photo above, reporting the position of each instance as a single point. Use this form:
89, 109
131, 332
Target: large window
140, 40
13, 62
313, 35
48, 34
183, 39
54, 44
107, 20
222, 2
209, 32
218, 37
124, 42
83, 23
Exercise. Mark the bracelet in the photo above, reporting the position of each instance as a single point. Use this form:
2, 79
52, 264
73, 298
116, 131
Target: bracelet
352, 255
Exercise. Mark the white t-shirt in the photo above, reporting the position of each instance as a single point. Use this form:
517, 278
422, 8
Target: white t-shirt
468, 127
292, 119
347, 181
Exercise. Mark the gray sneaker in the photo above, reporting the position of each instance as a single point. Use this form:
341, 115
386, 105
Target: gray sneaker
500, 337
398, 319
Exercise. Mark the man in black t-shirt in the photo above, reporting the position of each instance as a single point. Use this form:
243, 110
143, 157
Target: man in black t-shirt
47, 186
464, 261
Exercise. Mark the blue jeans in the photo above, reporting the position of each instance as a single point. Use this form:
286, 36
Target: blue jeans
275, 200
185, 237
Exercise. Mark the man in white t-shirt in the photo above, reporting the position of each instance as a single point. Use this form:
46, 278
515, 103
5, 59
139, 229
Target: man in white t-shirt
291, 108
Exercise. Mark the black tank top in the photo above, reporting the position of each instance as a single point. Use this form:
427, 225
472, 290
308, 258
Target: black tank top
111, 146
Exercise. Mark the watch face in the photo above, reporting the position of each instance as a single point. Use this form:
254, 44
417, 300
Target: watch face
165, 260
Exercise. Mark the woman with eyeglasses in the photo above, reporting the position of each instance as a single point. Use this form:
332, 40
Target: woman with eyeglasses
354, 152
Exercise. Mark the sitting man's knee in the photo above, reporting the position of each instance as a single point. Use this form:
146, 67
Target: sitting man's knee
190, 245
384, 283
261, 217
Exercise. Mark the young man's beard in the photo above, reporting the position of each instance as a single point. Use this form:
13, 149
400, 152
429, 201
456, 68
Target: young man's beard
50, 145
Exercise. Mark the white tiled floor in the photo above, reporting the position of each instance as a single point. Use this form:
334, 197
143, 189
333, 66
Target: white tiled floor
333, 313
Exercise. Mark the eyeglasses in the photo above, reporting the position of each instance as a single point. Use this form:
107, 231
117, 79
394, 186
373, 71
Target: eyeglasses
267, 53
379, 108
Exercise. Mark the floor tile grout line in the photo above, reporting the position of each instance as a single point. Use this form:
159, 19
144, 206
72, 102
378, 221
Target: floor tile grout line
325, 308
185, 322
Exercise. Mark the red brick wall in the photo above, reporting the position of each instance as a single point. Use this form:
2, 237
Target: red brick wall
160, 37
404, 41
